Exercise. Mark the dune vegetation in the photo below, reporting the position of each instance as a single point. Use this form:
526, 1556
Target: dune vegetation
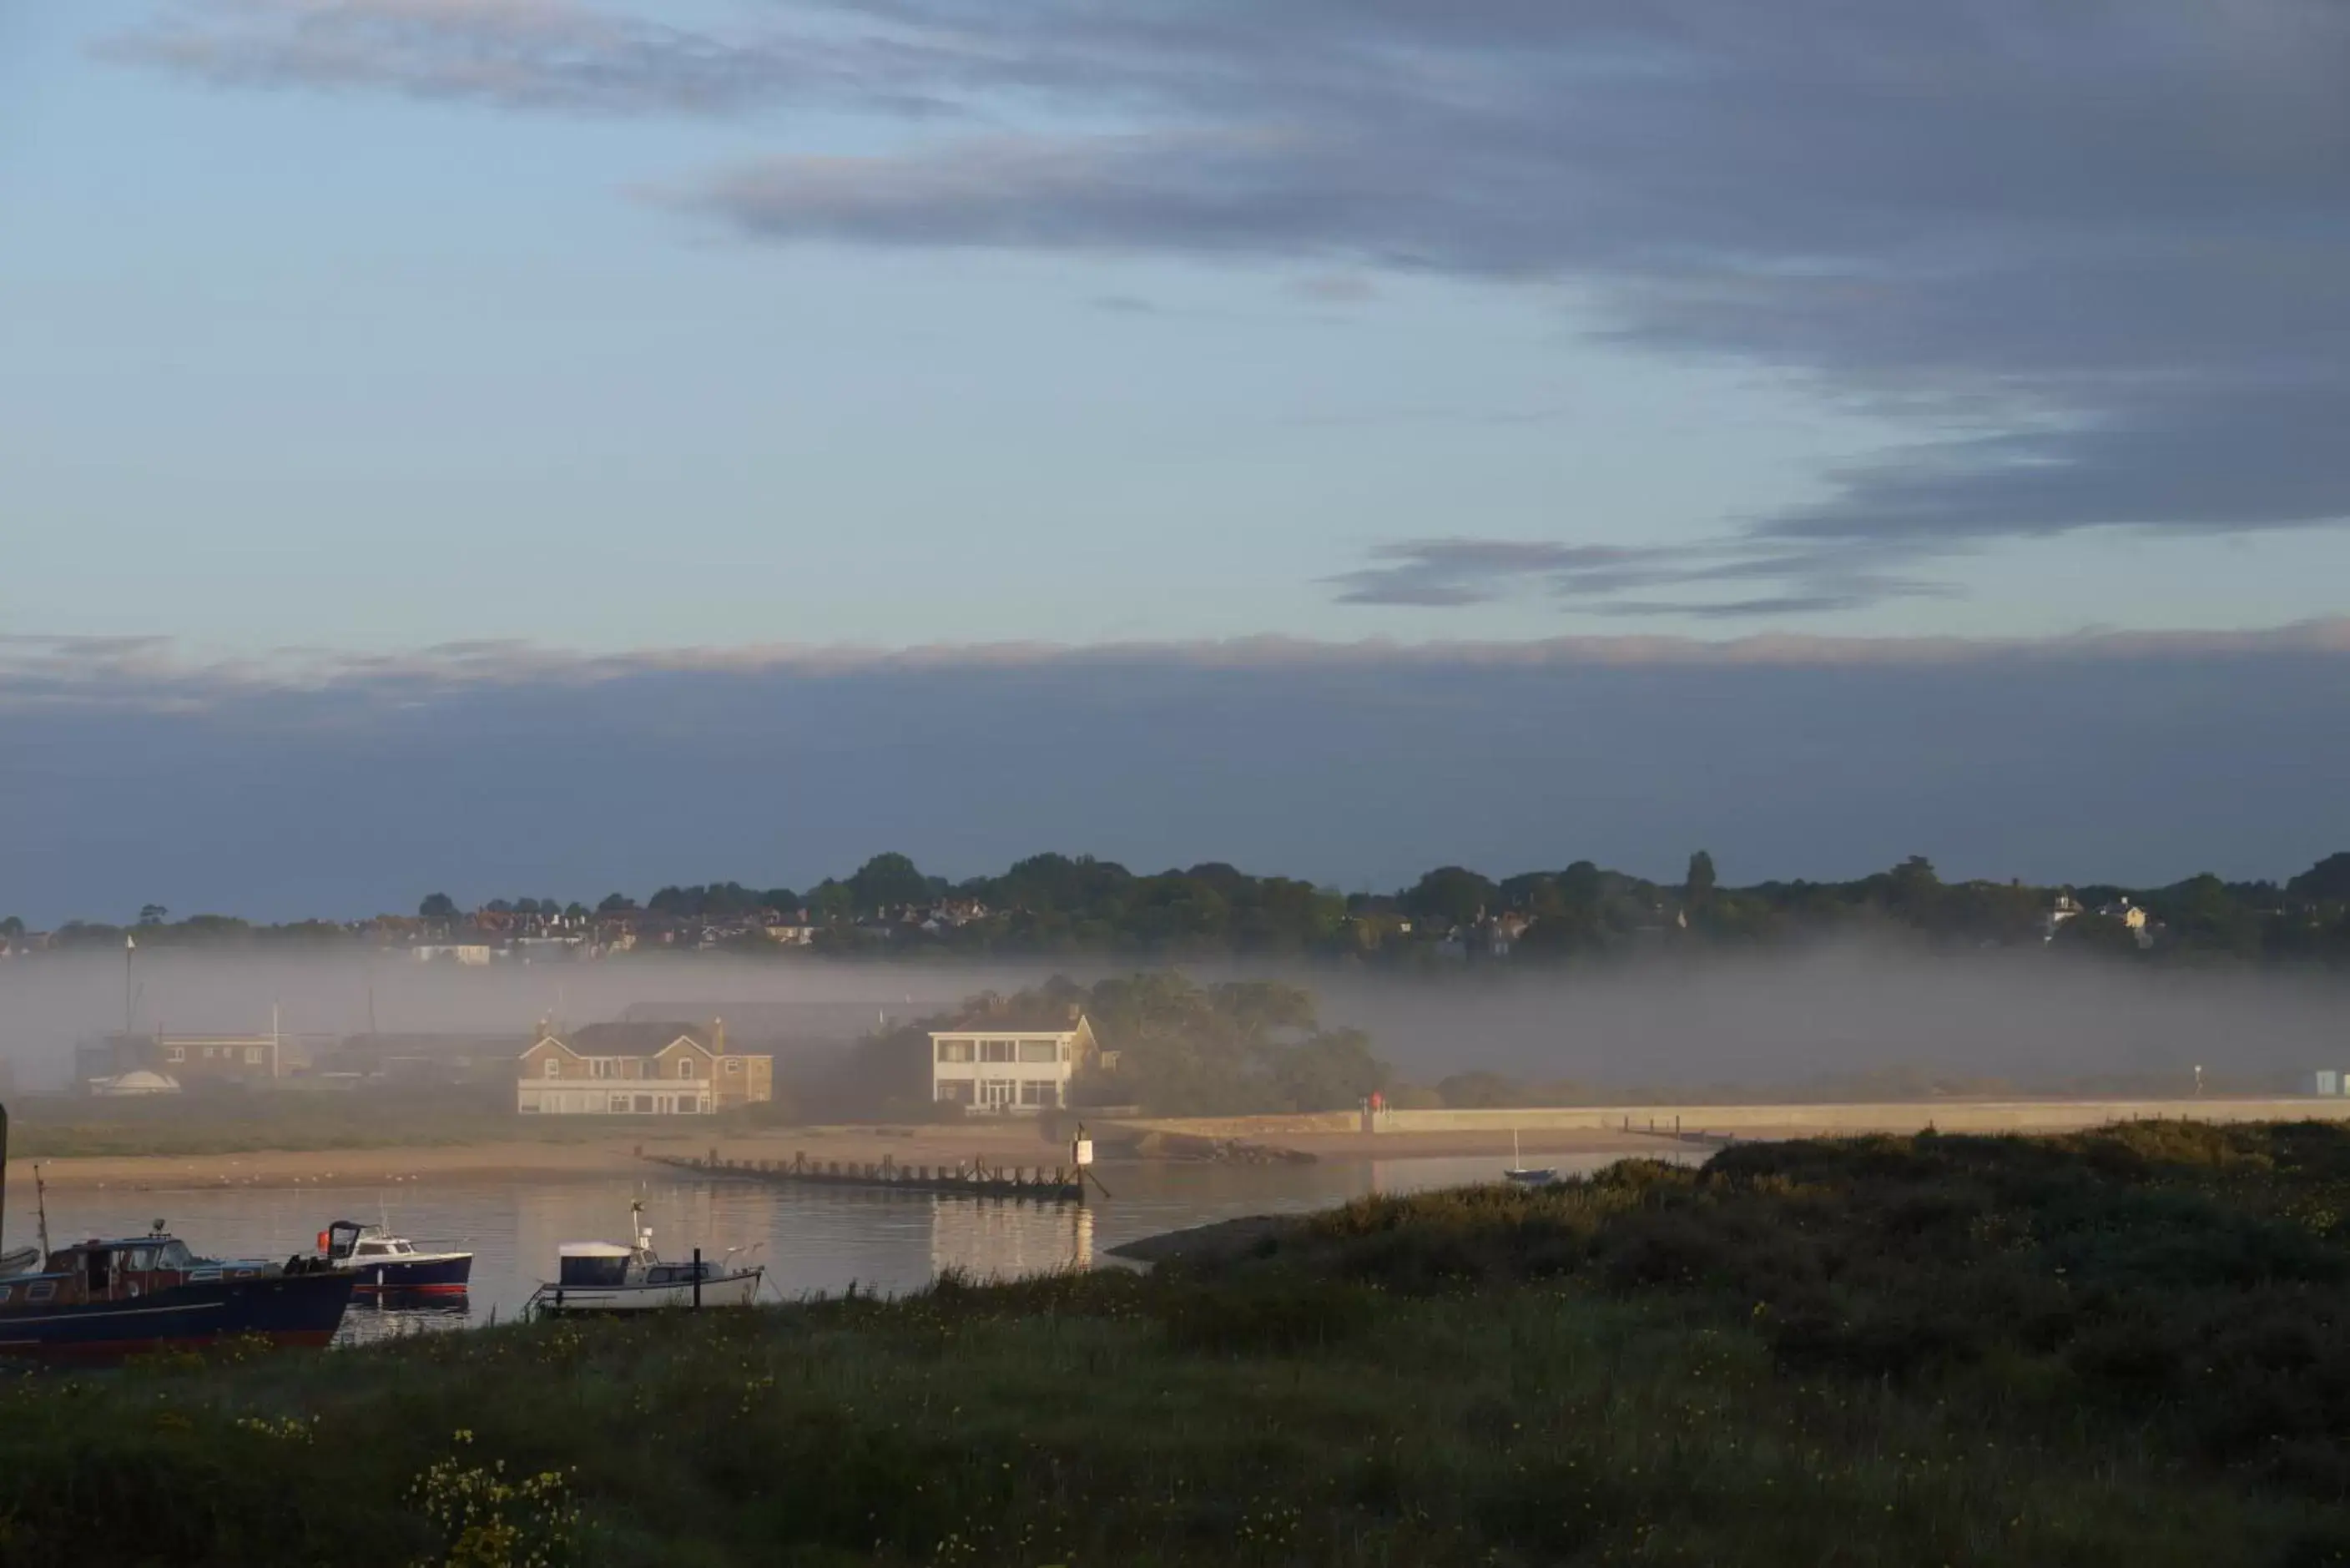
2120, 1346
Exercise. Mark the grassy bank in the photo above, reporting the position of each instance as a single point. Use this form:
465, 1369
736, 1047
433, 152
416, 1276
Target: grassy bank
2124, 1346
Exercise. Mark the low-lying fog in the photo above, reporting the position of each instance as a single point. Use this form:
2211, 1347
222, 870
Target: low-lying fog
1768, 1020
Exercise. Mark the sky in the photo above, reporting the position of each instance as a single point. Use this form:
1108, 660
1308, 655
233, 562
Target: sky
533, 349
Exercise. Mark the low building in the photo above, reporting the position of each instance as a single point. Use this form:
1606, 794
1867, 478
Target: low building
1009, 1071
639, 1069
193, 1061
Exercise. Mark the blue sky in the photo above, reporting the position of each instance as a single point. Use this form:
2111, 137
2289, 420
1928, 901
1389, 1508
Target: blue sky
309, 351
366, 327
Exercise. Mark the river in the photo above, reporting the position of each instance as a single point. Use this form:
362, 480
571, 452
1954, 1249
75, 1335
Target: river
812, 1241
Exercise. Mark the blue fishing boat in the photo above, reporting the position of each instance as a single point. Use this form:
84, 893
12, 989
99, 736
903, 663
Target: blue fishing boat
103, 1299
388, 1265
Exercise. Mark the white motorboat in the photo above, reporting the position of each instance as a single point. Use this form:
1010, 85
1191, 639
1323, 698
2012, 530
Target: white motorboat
604, 1277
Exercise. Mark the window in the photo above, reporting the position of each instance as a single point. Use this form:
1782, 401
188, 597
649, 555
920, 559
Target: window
733, 1063
619, 1105
253, 1056
3, 1295
1038, 1051
46, 1290
954, 1050
179, 1052
140, 1259
553, 1068
208, 1053
1038, 1092
685, 1066
955, 1092
996, 1050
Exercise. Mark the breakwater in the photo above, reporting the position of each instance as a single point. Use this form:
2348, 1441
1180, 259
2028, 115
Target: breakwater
974, 1179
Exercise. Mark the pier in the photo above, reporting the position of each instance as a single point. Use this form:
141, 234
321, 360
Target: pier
1033, 1184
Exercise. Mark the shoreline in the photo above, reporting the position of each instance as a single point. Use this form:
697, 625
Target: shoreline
1407, 1135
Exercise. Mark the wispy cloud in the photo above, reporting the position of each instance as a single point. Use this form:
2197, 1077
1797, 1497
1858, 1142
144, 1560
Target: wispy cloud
2095, 253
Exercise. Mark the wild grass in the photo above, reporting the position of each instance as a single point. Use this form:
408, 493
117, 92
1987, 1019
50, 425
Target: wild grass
1914, 1351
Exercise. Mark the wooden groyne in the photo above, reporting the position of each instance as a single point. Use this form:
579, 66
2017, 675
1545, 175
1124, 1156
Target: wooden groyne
1032, 1184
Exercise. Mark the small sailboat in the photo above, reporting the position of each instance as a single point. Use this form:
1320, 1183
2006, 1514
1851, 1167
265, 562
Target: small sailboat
1524, 1174
603, 1277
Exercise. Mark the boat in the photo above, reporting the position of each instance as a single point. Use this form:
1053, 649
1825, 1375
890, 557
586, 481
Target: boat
604, 1277
131, 1295
1527, 1176
390, 1265
102, 1299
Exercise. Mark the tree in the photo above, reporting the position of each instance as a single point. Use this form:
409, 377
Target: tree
11, 928
887, 881
437, 906
1452, 895
614, 904
151, 914
2327, 882
574, 911
1696, 892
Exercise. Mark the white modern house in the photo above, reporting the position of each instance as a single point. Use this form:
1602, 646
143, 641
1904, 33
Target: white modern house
1009, 1071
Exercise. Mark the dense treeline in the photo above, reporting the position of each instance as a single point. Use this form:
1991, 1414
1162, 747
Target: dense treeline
1055, 903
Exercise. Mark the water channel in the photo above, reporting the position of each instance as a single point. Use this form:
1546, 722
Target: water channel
811, 1240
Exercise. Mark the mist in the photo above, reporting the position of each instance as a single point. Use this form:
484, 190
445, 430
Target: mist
1770, 1021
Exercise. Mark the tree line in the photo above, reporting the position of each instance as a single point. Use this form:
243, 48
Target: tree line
1055, 903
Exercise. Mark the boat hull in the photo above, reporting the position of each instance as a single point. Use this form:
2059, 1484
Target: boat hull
726, 1291
442, 1276
283, 1309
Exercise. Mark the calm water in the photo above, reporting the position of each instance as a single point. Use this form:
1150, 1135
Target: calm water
811, 1240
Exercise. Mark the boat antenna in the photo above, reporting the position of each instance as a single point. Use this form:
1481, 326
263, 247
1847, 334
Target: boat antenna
4, 1175
41, 1211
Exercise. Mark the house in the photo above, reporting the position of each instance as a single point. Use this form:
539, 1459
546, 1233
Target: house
194, 1060
472, 955
418, 1059
639, 1069
1009, 1070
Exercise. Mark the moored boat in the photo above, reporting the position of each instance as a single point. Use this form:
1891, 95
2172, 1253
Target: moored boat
605, 1277
388, 1265
107, 1299
126, 1297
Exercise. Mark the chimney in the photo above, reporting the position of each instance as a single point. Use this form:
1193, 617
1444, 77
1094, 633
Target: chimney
718, 1036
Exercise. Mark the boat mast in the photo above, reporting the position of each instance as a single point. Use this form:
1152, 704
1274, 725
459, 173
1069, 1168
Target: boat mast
41, 1210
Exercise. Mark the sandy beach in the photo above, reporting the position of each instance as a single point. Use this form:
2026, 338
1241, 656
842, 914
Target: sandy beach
1406, 1135
1009, 1143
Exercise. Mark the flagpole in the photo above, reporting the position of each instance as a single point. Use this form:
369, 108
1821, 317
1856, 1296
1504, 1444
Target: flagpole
129, 946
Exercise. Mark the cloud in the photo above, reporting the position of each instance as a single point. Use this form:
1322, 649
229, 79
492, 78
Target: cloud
558, 56
1826, 576
2096, 252
310, 783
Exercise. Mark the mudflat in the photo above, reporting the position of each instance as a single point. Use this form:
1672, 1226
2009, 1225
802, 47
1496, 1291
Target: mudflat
1009, 1143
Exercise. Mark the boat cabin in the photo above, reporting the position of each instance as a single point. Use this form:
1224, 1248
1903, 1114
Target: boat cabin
100, 1270
348, 1240
591, 1263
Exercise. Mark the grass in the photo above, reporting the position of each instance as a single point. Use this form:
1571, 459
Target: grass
2112, 1347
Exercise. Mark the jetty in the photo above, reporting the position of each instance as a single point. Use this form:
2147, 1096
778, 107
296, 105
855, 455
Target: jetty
972, 1179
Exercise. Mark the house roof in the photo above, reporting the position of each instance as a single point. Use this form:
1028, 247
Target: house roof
632, 1039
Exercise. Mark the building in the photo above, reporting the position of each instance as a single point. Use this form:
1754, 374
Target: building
1009, 1070
639, 1069
420, 1059
194, 1060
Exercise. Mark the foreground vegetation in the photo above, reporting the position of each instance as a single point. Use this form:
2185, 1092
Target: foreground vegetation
2124, 1346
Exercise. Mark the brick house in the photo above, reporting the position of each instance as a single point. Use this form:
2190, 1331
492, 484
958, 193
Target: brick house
638, 1069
